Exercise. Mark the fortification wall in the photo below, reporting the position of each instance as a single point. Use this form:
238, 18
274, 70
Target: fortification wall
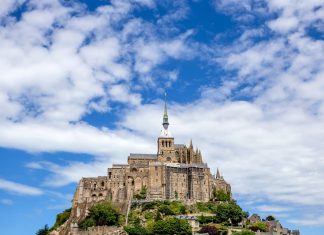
102, 230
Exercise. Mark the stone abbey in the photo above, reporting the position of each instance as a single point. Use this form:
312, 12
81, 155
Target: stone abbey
174, 172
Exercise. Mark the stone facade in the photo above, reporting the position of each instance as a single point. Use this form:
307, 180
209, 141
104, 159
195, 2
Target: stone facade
174, 172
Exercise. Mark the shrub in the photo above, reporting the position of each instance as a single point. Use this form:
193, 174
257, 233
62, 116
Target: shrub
86, 223
220, 195
178, 207
226, 212
270, 218
149, 205
99, 215
141, 194
43, 231
244, 232
171, 226
61, 218
165, 210
135, 230
262, 226
206, 219
211, 230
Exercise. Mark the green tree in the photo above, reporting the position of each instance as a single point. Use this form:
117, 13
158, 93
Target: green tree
165, 210
228, 212
262, 226
171, 226
43, 231
221, 195
270, 218
101, 214
61, 218
86, 223
158, 216
135, 230
244, 232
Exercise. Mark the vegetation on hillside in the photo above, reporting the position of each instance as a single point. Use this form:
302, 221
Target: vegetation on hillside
220, 195
43, 231
101, 214
142, 194
61, 218
159, 217
226, 213
244, 232
262, 226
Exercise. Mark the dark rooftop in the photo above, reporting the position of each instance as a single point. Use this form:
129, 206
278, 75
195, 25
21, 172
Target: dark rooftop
142, 156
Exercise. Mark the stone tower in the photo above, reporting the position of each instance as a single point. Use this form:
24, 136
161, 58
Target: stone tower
166, 150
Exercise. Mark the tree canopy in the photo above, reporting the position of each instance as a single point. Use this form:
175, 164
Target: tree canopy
99, 215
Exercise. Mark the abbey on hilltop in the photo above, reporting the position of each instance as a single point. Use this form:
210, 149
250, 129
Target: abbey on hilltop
174, 172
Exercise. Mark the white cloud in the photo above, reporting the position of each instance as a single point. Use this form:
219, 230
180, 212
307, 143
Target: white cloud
72, 61
19, 188
309, 221
269, 147
269, 208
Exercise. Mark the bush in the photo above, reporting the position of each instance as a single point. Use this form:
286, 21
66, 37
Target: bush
227, 212
270, 218
135, 230
244, 232
86, 223
149, 205
142, 194
43, 231
99, 215
211, 230
208, 207
206, 219
171, 226
165, 210
262, 226
178, 208
61, 218
220, 195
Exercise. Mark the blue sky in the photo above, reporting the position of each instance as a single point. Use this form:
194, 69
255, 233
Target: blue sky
82, 84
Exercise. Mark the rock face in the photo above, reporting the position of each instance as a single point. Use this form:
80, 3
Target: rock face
175, 172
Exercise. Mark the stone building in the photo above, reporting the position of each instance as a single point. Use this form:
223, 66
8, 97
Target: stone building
174, 172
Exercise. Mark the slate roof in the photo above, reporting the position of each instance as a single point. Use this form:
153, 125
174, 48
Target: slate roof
142, 156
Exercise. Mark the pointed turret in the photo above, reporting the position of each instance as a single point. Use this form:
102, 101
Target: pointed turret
218, 176
199, 157
165, 115
191, 146
165, 131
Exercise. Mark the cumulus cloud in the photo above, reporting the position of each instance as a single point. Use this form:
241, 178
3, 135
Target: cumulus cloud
262, 126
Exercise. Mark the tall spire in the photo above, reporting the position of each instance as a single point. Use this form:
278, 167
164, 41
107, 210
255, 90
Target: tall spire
218, 176
165, 115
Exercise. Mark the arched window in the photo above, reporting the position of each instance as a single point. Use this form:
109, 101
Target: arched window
100, 195
102, 184
94, 195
